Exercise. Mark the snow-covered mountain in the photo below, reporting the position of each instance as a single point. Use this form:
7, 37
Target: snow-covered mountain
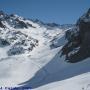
32, 54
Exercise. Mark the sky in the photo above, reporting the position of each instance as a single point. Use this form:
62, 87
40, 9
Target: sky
57, 11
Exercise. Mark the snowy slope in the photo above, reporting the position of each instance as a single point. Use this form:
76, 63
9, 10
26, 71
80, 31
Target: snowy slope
16, 67
80, 82
30, 57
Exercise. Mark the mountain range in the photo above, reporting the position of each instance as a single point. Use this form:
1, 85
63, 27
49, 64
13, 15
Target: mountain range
44, 56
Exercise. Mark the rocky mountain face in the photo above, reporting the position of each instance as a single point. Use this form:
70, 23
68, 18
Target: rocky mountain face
10, 35
13, 20
78, 46
78, 36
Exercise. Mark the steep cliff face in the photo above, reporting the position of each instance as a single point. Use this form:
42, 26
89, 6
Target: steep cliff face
78, 46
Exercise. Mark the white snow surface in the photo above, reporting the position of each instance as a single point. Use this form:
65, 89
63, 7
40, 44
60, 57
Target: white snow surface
43, 68
80, 82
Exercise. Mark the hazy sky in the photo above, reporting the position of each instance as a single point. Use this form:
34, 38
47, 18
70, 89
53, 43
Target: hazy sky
58, 11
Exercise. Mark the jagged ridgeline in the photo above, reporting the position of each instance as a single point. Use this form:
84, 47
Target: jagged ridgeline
78, 46
14, 21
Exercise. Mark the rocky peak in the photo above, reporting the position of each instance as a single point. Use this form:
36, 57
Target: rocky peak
14, 21
2, 13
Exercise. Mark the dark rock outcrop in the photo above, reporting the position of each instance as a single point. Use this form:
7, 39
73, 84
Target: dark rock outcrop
80, 40
3, 42
1, 24
15, 51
